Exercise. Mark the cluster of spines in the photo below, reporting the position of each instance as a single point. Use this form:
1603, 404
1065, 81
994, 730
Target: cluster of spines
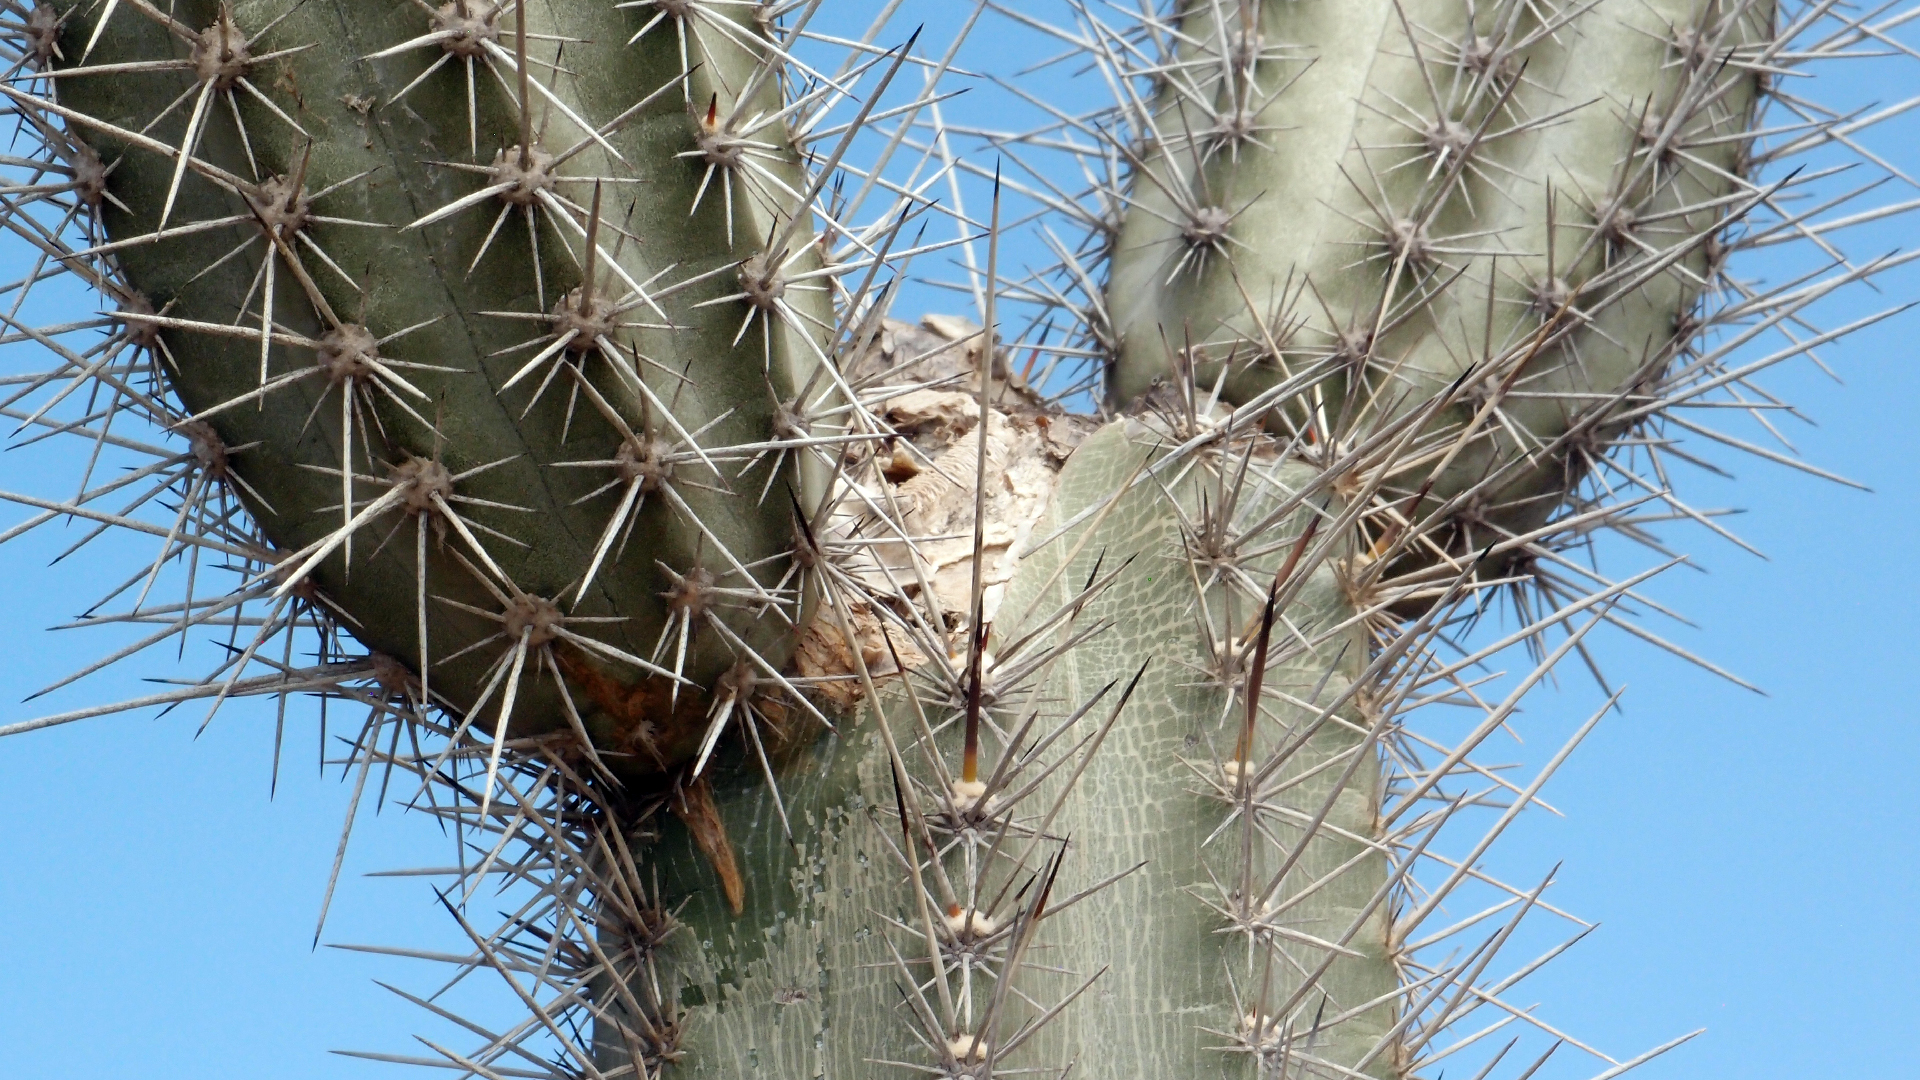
652, 463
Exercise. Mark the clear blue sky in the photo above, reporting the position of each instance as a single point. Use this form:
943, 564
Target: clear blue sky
1752, 859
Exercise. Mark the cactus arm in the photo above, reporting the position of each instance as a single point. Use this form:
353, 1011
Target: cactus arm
512, 445
1532, 205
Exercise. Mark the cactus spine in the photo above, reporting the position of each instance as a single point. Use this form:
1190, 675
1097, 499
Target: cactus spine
510, 367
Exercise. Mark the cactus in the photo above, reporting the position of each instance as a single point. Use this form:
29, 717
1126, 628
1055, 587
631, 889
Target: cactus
831, 698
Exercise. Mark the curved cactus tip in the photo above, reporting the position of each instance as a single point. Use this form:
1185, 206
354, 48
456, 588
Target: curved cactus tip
308, 314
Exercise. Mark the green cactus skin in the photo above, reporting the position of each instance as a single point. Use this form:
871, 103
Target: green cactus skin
1157, 791
1413, 197
727, 391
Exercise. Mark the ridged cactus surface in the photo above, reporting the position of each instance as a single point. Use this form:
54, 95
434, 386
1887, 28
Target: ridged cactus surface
465, 360
1505, 217
824, 695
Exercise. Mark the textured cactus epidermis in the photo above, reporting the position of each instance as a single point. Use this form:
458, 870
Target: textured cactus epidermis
1142, 799
1343, 153
803, 984
414, 276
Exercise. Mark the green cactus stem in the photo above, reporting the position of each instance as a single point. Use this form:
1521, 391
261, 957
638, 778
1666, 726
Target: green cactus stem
493, 327
1509, 211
